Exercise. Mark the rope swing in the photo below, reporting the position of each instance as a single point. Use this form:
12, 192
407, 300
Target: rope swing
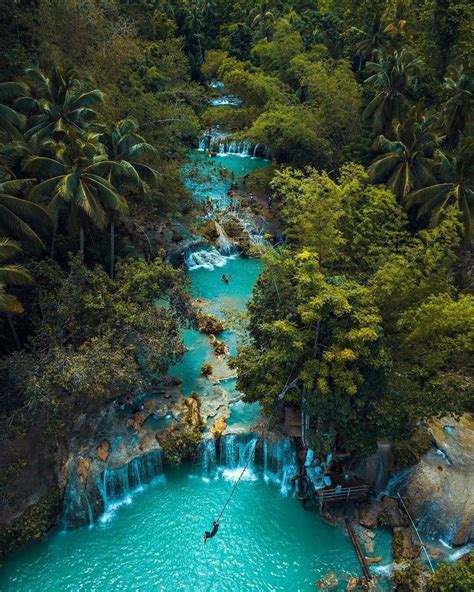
209, 535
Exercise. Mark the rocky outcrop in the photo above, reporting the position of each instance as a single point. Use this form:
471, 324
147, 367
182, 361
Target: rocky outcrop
219, 427
103, 450
439, 490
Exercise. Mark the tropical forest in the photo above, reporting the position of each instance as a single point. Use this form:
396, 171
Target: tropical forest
236, 295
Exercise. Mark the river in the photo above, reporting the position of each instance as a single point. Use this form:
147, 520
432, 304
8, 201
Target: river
151, 538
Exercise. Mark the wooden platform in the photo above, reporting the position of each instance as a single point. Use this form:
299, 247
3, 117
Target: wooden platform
292, 423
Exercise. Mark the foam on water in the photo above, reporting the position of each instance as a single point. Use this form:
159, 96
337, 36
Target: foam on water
234, 474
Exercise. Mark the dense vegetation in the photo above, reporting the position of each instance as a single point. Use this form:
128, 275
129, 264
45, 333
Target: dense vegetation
364, 316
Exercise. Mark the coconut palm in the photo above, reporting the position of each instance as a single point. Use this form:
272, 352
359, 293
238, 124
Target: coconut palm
406, 163
263, 18
57, 103
397, 23
394, 76
76, 178
454, 187
19, 216
457, 110
10, 119
11, 275
368, 48
136, 157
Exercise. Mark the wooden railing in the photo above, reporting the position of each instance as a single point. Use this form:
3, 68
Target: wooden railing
328, 495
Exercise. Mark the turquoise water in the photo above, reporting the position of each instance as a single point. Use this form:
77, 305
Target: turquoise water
266, 542
152, 539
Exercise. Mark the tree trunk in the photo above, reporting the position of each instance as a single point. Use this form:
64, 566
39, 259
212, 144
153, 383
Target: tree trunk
13, 330
112, 249
81, 242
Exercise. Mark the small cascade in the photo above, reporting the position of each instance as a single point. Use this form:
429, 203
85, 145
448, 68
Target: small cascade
207, 259
119, 482
208, 456
77, 509
225, 246
279, 463
235, 148
235, 451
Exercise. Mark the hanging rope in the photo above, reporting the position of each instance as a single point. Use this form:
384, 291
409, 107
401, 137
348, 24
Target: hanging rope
237, 482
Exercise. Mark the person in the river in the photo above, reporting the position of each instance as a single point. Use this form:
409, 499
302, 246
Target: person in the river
224, 278
209, 535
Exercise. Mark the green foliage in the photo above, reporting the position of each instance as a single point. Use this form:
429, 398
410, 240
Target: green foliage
453, 578
95, 338
35, 521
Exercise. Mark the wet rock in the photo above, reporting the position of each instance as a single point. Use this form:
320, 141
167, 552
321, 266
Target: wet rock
369, 547
439, 491
219, 427
136, 422
353, 584
403, 546
219, 347
329, 582
102, 451
372, 560
209, 324
83, 467
150, 405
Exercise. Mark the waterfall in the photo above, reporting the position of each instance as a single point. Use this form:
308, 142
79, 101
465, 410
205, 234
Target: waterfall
235, 148
254, 154
121, 481
279, 463
77, 509
236, 452
223, 242
207, 259
274, 460
208, 455
116, 485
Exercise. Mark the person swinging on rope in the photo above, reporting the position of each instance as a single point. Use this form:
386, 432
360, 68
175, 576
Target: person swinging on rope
209, 535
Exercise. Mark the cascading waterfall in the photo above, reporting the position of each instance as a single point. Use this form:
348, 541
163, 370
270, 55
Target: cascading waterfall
207, 259
279, 463
119, 482
274, 460
77, 509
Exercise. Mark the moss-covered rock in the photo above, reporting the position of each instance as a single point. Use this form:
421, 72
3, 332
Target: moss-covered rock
33, 523
209, 324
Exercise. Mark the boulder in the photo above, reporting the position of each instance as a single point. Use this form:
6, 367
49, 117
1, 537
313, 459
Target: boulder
403, 546
329, 582
83, 467
219, 427
439, 490
103, 450
136, 422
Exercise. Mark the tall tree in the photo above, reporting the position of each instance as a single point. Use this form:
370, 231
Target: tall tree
406, 163
457, 110
393, 76
454, 187
77, 180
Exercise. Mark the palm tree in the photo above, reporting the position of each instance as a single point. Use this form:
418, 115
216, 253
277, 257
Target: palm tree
195, 24
136, 157
454, 187
369, 48
393, 78
396, 21
11, 275
263, 18
457, 110
57, 104
76, 178
18, 216
10, 119
406, 163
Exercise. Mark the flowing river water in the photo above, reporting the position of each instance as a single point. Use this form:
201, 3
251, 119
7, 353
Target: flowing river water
151, 538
